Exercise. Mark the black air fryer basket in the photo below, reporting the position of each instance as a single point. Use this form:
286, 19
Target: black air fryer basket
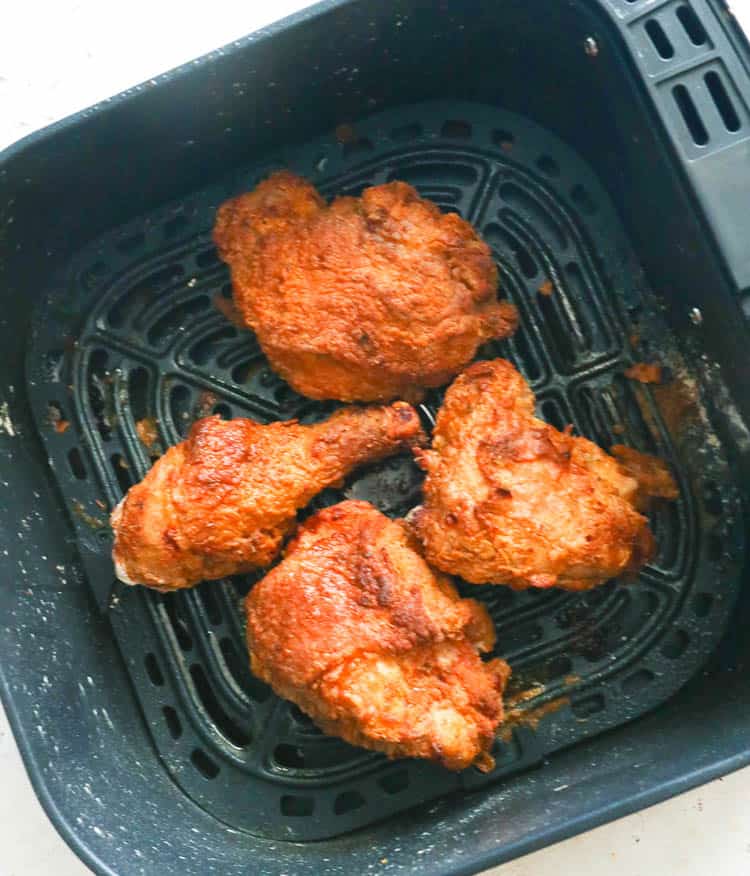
600, 147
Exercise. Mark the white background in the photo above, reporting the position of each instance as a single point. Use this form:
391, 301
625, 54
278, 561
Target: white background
58, 58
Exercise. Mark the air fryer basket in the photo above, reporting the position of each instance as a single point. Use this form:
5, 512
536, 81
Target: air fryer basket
126, 323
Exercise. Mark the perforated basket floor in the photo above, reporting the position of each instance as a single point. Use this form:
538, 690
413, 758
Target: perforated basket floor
133, 332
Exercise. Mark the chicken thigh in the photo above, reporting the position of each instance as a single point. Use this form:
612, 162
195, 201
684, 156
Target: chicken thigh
356, 629
508, 499
368, 299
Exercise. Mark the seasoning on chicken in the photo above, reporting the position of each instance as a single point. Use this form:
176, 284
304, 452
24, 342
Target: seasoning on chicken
356, 629
508, 499
368, 299
222, 501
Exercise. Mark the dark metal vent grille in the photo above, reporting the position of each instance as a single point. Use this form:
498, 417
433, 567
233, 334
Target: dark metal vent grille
136, 332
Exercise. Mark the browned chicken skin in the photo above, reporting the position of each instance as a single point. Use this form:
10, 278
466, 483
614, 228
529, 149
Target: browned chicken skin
509, 499
368, 299
222, 501
356, 629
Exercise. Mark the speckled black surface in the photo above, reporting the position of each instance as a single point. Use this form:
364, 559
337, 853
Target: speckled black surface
92, 754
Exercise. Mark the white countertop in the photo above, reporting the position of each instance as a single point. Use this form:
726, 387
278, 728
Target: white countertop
56, 59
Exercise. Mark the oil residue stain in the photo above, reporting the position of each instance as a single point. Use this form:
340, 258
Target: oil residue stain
89, 519
518, 716
678, 404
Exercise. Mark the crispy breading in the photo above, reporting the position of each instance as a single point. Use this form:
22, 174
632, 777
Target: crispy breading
509, 499
222, 501
356, 629
368, 299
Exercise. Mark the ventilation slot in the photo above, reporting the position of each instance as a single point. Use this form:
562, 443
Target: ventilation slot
524, 355
508, 242
174, 321
203, 763
690, 115
348, 802
557, 667
289, 756
582, 199
722, 100
588, 706
211, 604
396, 782
660, 40
238, 666
180, 405
99, 386
153, 670
172, 719
675, 644
442, 176
552, 414
212, 345
535, 213
635, 683
178, 622
138, 393
692, 25
76, 464
122, 472
297, 807
224, 411
228, 727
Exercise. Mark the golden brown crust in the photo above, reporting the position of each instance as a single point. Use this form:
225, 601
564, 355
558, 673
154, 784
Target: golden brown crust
355, 628
368, 299
511, 500
654, 479
222, 501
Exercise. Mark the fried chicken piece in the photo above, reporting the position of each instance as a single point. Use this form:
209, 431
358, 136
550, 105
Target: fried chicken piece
356, 629
368, 299
508, 499
222, 501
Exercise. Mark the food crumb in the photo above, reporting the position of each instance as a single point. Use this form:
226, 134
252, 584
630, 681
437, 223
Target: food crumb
618, 429
101, 504
55, 418
345, 134
547, 288
644, 372
148, 434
